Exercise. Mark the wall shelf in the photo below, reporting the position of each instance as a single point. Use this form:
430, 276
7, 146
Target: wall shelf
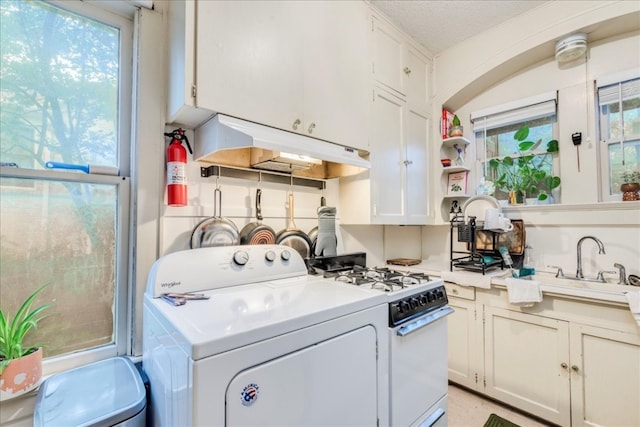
260, 175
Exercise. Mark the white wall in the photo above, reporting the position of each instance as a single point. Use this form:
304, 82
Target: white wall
553, 231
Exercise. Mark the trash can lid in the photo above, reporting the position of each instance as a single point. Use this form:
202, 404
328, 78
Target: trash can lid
104, 393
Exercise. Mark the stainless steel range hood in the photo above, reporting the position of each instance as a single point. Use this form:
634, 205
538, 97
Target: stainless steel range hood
231, 141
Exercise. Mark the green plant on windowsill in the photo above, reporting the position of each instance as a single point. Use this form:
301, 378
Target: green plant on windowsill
13, 331
523, 173
631, 176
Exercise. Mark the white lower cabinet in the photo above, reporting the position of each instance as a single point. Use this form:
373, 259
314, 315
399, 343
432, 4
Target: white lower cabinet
524, 355
605, 377
554, 361
465, 338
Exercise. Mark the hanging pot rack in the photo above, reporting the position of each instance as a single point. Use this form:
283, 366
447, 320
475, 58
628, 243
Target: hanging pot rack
260, 175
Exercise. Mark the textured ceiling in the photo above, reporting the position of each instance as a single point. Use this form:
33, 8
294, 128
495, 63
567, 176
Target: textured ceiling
439, 24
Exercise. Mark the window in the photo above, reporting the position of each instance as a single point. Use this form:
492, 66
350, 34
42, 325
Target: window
495, 135
619, 118
66, 97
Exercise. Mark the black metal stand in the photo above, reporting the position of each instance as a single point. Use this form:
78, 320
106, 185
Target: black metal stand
471, 259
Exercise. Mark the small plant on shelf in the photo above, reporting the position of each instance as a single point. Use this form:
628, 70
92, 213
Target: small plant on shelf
456, 128
523, 174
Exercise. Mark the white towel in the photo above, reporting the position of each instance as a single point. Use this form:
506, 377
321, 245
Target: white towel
633, 297
523, 293
468, 278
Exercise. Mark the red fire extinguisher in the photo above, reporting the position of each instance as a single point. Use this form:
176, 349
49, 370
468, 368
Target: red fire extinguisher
177, 168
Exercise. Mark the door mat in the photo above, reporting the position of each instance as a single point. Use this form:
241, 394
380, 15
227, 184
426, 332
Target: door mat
496, 421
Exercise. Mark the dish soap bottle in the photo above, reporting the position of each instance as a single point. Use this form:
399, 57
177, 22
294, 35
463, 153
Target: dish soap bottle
527, 265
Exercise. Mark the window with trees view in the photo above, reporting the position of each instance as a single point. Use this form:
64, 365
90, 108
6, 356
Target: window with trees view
619, 115
65, 96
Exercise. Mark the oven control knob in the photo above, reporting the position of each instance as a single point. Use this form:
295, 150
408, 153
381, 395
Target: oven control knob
430, 296
285, 255
241, 257
440, 294
415, 303
270, 256
423, 299
405, 306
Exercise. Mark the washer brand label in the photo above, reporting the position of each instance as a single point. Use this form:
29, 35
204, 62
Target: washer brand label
170, 284
249, 394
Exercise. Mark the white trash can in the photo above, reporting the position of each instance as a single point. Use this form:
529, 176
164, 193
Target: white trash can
103, 394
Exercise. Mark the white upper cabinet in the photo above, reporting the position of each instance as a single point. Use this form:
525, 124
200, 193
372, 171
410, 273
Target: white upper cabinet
337, 86
388, 56
398, 179
396, 189
297, 66
248, 63
399, 66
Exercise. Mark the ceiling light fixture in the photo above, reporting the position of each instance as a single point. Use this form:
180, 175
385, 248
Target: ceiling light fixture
571, 47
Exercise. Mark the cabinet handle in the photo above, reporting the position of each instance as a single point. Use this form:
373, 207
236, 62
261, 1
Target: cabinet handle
407, 70
574, 368
454, 291
564, 365
296, 124
312, 126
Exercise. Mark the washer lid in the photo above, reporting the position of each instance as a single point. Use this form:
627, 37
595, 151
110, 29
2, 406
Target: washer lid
241, 315
104, 393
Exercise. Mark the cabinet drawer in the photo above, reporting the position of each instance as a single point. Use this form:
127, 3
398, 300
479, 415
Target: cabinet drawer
457, 291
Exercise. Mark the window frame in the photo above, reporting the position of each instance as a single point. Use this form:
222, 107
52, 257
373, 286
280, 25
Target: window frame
124, 20
518, 112
603, 151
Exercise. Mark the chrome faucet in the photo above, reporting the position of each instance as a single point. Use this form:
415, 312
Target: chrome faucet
579, 274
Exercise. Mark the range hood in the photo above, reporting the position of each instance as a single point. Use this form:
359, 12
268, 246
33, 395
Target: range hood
231, 141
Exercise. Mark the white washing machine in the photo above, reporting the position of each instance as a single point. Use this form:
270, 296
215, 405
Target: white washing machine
269, 346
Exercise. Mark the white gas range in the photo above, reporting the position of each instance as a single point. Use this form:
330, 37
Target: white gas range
255, 340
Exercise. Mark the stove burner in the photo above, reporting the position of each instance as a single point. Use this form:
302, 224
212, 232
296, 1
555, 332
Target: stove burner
383, 279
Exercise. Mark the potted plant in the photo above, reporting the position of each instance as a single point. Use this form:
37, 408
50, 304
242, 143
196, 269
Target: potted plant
20, 366
456, 128
630, 185
523, 175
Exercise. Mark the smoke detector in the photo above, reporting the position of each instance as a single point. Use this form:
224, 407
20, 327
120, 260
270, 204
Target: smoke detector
571, 47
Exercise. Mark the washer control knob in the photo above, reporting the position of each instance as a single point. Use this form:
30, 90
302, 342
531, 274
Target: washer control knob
270, 256
241, 257
285, 255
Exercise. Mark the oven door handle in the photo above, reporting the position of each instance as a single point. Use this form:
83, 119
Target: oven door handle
424, 321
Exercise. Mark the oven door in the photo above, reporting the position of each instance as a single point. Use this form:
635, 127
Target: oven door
418, 369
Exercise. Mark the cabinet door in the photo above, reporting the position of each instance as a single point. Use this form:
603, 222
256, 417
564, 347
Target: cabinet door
337, 85
387, 169
417, 79
248, 64
605, 377
525, 357
465, 344
388, 56
416, 165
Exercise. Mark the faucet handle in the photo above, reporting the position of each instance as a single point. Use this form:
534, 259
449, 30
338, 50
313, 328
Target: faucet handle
559, 272
600, 276
622, 274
